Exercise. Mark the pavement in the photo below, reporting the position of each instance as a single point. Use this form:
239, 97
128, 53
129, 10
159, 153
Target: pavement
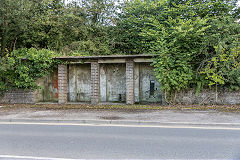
122, 117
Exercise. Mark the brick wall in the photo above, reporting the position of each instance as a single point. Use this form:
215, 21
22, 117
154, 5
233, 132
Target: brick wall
18, 96
95, 83
62, 84
130, 97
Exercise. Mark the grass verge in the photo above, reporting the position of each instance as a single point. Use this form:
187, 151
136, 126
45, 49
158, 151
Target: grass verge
222, 108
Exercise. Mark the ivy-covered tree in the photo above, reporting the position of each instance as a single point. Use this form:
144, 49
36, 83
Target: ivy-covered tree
25, 66
197, 41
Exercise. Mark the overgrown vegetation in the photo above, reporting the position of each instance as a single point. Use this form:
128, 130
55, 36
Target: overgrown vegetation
197, 40
25, 66
33, 32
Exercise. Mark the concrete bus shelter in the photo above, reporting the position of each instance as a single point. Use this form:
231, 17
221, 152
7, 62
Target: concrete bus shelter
100, 79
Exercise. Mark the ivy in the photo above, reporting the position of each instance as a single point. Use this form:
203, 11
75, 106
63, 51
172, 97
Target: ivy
222, 67
26, 66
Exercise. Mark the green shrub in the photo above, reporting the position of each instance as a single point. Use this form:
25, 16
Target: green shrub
27, 65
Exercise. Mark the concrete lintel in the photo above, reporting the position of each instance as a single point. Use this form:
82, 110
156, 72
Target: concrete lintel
143, 60
80, 62
111, 60
118, 60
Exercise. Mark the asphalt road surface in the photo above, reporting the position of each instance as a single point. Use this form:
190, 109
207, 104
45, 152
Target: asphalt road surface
117, 142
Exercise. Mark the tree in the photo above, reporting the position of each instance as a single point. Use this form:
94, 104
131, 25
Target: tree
99, 16
12, 21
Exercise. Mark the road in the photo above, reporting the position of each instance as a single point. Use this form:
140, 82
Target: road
117, 142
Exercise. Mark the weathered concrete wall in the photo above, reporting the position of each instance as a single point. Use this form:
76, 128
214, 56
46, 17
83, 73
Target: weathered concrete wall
79, 83
49, 88
113, 82
19, 96
208, 97
146, 76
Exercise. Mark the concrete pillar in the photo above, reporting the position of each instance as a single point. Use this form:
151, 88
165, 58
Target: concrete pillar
130, 82
95, 83
62, 84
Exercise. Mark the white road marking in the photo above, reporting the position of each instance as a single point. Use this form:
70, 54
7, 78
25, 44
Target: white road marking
30, 157
110, 121
119, 125
48, 158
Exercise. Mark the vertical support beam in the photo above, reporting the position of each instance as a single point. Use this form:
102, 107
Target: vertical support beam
95, 82
62, 84
130, 97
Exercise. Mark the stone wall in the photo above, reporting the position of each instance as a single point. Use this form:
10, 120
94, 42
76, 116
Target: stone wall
18, 97
208, 97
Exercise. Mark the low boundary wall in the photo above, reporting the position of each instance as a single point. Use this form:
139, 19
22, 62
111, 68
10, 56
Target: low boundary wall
208, 97
205, 97
18, 96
